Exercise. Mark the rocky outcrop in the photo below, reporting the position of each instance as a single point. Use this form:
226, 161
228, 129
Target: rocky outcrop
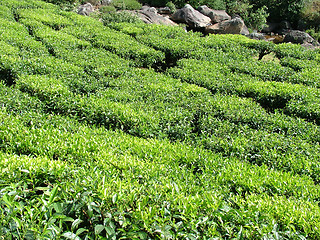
216, 16
192, 17
233, 26
85, 9
150, 15
296, 36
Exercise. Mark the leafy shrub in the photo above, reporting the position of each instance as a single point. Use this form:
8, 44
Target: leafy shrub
119, 17
126, 4
107, 9
280, 10
62, 1
258, 19
313, 33
94, 146
311, 14
254, 17
171, 6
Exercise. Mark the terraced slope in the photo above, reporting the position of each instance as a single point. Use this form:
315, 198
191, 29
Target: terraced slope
147, 132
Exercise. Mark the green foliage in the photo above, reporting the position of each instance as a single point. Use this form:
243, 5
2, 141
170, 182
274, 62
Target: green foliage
61, 2
107, 9
279, 10
311, 14
126, 4
254, 17
219, 140
258, 19
119, 17
313, 33
171, 6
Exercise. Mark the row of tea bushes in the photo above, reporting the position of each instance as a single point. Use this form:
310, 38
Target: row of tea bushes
17, 35
69, 173
78, 36
235, 51
270, 94
161, 117
28, 4
296, 51
93, 147
166, 126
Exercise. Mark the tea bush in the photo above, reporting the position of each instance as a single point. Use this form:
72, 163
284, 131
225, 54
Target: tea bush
216, 141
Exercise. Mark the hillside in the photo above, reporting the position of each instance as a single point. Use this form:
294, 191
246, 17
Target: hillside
135, 131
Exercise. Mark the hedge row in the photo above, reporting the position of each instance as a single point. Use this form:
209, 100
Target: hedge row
93, 147
107, 177
155, 113
271, 95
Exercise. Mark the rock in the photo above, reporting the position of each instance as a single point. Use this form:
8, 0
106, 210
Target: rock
245, 31
192, 17
153, 10
311, 46
233, 26
216, 16
148, 15
106, 2
164, 10
85, 9
144, 8
256, 36
296, 36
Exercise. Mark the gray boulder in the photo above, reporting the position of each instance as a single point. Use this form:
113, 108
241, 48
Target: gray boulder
164, 10
233, 26
106, 2
149, 15
296, 36
192, 17
85, 9
245, 31
256, 36
216, 16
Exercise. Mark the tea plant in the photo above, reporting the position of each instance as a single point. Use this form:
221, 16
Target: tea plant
135, 131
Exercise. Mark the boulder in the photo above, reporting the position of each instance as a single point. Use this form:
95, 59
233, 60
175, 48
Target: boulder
256, 36
144, 8
311, 46
233, 26
296, 36
216, 16
106, 2
149, 15
245, 31
85, 9
192, 17
152, 9
164, 10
